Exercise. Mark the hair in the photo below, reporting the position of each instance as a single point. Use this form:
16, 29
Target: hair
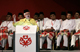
26, 10
52, 13
63, 13
70, 12
78, 12
41, 13
37, 14
20, 14
9, 14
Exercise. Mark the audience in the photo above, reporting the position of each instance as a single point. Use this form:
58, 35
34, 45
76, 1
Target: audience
46, 27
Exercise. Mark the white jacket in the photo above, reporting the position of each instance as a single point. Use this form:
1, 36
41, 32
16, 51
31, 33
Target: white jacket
9, 24
68, 24
50, 23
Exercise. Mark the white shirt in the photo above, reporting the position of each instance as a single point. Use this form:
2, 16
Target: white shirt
78, 26
9, 24
42, 23
68, 24
50, 23
37, 22
76, 22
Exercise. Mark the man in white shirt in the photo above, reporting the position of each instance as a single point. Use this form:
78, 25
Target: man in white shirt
49, 28
65, 28
77, 19
76, 35
42, 21
9, 24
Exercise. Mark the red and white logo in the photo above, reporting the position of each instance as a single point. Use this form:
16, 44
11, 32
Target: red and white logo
26, 27
25, 40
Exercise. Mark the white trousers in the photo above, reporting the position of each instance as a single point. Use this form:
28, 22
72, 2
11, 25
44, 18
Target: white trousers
65, 38
10, 37
49, 42
73, 39
3, 43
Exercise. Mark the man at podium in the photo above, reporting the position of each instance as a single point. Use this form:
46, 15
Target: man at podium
27, 20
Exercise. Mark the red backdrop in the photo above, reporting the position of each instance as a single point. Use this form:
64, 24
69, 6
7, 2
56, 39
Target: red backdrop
46, 6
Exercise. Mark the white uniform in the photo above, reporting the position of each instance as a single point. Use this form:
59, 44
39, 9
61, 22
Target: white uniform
10, 26
66, 24
42, 23
37, 22
74, 37
56, 25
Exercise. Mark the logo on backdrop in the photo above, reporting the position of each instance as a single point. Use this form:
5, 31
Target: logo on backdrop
26, 27
25, 40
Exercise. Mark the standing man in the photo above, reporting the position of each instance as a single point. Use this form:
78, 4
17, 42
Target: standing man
27, 20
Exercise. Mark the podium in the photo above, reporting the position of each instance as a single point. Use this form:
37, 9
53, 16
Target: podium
26, 39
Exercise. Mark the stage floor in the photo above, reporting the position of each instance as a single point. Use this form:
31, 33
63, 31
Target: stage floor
46, 51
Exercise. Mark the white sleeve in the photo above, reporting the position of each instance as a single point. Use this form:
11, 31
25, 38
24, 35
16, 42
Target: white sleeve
11, 28
78, 26
61, 27
44, 27
72, 25
1, 25
38, 24
47, 25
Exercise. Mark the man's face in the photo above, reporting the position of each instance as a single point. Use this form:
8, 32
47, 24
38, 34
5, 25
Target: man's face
20, 17
36, 17
52, 16
9, 17
27, 15
69, 16
76, 15
63, 17
41, 16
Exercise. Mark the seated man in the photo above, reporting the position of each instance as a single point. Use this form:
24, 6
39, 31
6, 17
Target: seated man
42, 21
76, 35
77, 19
20, 16
36, 17
49, 28
66, 27
8, 24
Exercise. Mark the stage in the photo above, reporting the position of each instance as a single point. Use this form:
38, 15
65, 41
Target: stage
46, 51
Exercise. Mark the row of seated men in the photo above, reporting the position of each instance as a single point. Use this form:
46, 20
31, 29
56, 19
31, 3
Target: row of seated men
45, 27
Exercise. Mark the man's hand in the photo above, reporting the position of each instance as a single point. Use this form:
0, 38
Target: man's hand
40, 32
14, 16
79, 30
6, 31
66, 30
48, 30
61, 31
